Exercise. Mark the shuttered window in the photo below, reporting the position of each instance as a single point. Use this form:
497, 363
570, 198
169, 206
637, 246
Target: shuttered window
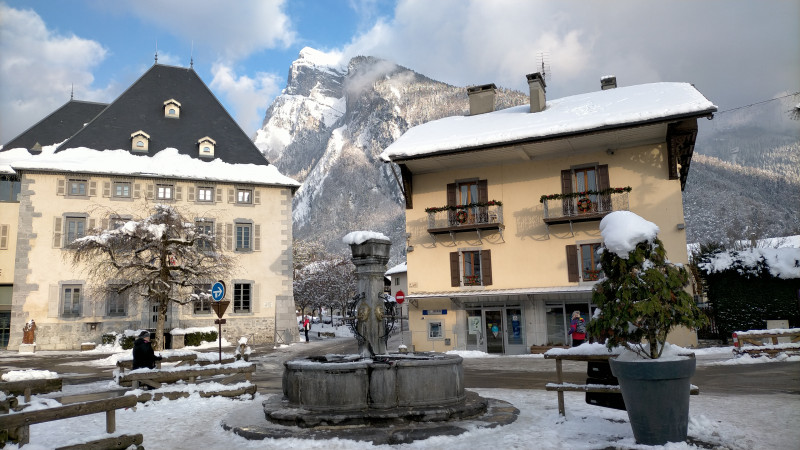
471, 268
572, 264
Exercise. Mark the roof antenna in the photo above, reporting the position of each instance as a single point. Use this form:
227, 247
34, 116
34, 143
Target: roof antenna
71, 91
191, 57
544, 64
156, 51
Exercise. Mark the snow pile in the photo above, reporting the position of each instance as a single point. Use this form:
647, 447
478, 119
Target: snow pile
359, 237
579, 113
400, 268
585, 349
780, 262
166, 163
185, 331
622, 230
668, 353
28, 374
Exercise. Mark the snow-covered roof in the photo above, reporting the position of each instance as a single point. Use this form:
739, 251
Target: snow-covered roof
167, 163
400, 268
595, 111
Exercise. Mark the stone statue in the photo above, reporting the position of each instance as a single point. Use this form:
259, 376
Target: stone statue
29, 332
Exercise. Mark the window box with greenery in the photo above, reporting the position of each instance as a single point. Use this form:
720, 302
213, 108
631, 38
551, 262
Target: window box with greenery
640, 300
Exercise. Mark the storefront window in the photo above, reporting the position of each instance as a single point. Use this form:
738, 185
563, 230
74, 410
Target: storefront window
516, 332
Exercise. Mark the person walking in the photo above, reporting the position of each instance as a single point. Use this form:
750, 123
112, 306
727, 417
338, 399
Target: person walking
306, 326
143, 354
577, 329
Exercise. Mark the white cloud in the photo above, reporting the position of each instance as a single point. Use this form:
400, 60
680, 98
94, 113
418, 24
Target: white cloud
230, 29
249, 96
38, 69
718, 45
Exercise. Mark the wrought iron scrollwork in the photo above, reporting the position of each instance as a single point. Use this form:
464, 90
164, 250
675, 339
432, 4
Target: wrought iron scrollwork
389, 316
351, 317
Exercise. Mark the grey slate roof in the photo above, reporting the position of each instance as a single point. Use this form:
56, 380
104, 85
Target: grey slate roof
141, 107
58, 126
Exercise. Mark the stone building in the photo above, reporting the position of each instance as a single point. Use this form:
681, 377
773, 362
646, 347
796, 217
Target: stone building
165, 140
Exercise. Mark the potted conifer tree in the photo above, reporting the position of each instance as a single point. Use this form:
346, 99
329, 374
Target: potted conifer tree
640, 300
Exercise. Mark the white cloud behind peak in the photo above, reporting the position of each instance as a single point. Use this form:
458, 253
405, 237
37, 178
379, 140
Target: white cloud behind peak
39, 68
249, 96
232, 30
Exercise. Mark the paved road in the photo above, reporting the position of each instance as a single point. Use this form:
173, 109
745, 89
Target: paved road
508, 372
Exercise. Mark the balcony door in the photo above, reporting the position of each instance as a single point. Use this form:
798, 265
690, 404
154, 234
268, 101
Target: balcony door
464, 193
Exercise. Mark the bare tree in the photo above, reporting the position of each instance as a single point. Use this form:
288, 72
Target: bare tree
160, 257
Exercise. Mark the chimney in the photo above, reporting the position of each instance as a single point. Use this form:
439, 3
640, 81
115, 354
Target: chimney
537, 87
481, 98
608, 82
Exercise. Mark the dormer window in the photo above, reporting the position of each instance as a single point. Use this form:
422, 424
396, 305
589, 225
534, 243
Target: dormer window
172, 109
140, 141
206, 147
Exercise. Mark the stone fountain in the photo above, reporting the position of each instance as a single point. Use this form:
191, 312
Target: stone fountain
375, 395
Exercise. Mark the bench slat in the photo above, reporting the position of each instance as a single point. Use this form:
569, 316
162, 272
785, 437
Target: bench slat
117, 442
607, 388
175, 375
22, 418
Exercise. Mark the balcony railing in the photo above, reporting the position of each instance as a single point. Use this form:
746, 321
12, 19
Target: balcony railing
465, 218
583, 208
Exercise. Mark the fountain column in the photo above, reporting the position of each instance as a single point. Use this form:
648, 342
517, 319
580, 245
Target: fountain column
370, 257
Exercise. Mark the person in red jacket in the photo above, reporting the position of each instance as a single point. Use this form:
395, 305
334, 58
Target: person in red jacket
577, 328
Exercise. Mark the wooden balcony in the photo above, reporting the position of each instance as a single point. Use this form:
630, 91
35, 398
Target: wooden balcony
466, 218
583, 209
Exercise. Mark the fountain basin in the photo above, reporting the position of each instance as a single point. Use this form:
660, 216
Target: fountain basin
338, 383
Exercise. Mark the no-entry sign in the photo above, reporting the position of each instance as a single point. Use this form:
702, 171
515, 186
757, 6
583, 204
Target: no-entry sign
400, 296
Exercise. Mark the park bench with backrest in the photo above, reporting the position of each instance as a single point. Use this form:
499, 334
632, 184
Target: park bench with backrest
15, 426
575, 354
767, 342
156, 377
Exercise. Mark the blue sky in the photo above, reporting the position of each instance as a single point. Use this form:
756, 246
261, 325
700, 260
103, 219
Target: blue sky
735, 51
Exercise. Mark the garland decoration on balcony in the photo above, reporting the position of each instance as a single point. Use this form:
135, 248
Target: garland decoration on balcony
584, 204
461, 216
608, 191
435, 209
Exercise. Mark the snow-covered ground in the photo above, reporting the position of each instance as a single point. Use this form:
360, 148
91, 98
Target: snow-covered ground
724, 421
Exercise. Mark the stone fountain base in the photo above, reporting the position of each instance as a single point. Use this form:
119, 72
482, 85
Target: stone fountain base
379, 429
390, 399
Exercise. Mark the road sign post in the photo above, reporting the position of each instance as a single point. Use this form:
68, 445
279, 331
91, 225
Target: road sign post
219, 306
400, 297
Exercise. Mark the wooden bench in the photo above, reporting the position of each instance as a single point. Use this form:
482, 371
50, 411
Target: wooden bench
16, 426
28, 387
561, 387
190, 359
753, 342
154, 378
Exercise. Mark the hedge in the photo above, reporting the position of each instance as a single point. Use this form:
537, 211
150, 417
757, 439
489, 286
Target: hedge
742, 303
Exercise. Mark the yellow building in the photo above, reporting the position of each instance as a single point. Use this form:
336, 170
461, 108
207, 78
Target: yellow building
165, 140
503, 207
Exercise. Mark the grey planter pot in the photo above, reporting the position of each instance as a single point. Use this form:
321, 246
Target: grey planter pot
656, 395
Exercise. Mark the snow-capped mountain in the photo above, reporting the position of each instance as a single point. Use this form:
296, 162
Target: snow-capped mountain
335, 117
328, 128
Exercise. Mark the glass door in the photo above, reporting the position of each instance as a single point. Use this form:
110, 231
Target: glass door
475, 330
515, 332
494, 331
